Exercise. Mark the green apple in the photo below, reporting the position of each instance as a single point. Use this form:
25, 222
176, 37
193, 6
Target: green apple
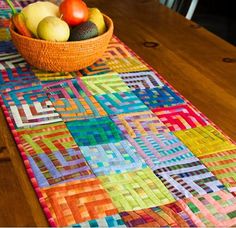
53, 29
36, 11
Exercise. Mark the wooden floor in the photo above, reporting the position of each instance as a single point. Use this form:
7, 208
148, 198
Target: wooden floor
201, 66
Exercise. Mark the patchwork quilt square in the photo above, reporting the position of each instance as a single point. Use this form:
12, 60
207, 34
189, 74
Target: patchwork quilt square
108, 221
98, 68
10, 86
112, 158
27, 95
180, 117
59, 166
136, 190
103, 84
223, 166
141, 80
139, 123
68, 89
160, 150
204, 140
188, 178
46, 76
90, 132
38, 113
80, 108
129, 64
123, 102
170, 215
116, 49
16, 73
158, 97
77, 201
212, 210
46, 139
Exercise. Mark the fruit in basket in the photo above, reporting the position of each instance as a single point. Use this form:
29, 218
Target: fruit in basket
18, 20
36, 11
73, 12
83, 31
96, 17
53, 29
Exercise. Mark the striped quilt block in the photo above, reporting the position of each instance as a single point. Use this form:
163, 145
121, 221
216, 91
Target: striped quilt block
46, 76
212, 210
13, 67
97, 68
158, 97
111, 158
136, 190
223, 166
68, 89
90, 132
180, 117
205, 140
7, 87
116, 49
141, 80
139, 124
77, 201
59, 167
80, 108
27, 95
160, 150
188, 178
169, 215
123, 102
38, 113
46, 139
103, 84
129, 64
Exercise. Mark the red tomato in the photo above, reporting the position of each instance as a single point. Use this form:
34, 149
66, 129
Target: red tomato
73, 12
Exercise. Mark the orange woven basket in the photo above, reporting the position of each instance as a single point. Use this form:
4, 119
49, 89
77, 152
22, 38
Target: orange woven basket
62, 56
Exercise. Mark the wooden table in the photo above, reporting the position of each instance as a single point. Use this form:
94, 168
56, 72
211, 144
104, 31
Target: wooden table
200, 65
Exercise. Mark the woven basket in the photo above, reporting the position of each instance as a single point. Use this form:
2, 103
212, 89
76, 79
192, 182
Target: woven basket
62, 56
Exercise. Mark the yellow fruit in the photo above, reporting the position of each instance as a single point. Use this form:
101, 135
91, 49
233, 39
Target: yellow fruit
96, 17
53, 29
36, 11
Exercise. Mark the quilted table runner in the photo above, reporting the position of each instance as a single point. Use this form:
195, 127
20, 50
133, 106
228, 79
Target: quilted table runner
114, 144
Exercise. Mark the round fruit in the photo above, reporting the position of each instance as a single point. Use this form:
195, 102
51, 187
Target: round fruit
97, 18
35, 12
53, 29
83, 31
73, 12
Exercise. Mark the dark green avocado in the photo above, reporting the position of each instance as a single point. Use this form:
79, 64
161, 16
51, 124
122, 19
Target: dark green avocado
83, 31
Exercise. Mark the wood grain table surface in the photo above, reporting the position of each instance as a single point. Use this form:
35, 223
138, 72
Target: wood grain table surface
197, 63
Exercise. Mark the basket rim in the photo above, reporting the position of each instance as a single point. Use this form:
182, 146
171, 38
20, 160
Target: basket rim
107, 18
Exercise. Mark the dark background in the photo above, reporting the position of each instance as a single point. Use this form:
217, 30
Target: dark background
217, 16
